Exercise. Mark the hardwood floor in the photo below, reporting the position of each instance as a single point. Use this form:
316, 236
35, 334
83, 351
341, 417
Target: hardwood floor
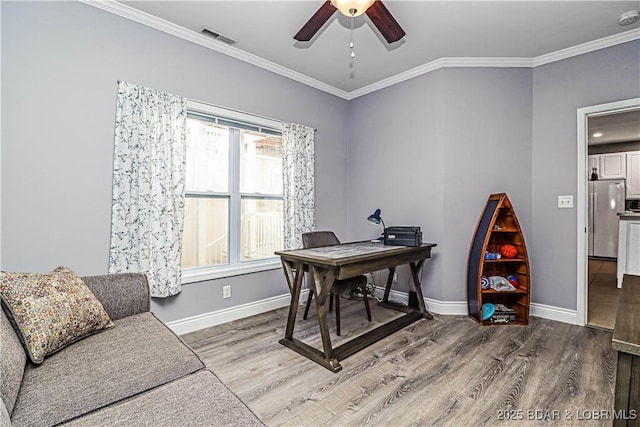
603, 294
448, 371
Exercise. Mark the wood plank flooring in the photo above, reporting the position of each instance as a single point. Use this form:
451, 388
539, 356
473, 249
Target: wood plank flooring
448, 371
603, 294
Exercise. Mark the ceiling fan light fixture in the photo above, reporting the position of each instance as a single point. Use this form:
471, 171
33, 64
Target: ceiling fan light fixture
629, 18
352, 7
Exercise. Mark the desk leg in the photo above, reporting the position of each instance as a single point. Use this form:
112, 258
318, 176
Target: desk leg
415, 268
324, 281
294, 272
294, 275
387, 288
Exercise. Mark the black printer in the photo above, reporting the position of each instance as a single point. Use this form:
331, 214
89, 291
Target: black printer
403, 236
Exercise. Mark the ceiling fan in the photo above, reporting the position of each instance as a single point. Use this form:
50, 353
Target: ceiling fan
375, 10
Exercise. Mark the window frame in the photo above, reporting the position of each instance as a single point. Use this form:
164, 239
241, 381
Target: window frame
235, 266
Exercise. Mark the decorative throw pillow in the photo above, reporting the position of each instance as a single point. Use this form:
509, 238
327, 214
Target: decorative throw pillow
51, 310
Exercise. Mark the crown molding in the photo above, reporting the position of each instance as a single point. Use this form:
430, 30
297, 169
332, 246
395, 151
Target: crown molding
163, 25
499, 62
436, 65
587, 47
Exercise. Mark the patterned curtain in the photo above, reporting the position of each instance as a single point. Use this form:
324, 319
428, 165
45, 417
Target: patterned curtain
147, 217
299, 178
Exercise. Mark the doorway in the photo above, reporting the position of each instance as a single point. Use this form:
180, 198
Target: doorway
609, 137
596, 275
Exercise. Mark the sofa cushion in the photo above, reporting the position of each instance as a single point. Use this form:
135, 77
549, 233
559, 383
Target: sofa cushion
122, 294
196, 400
51, 310
138, 354
12, 363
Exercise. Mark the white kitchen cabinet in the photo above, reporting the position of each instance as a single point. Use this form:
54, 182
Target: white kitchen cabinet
612, 166
628, 245
633, 175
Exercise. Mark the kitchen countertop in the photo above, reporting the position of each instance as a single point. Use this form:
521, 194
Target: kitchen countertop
628, 215
626, 334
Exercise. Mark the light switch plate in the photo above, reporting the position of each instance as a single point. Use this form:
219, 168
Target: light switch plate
565, 202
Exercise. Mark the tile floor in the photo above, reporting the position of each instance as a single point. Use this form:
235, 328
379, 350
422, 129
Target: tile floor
603, 294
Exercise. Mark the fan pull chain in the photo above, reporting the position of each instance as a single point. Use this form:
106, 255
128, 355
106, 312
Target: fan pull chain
351, 45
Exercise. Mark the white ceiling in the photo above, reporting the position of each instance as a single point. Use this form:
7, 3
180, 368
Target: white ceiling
618, 127
435, 30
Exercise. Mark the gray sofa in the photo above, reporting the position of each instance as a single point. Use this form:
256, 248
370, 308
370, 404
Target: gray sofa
136, 373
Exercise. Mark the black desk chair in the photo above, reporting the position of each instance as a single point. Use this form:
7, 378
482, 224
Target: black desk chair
316, 239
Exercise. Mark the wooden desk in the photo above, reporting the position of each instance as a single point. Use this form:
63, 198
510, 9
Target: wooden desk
626, 340
329, 263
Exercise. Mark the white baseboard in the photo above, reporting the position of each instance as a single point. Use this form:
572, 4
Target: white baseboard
218, 317
448, 308
558, 314
452, 308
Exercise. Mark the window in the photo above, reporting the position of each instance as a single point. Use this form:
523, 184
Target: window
234, 194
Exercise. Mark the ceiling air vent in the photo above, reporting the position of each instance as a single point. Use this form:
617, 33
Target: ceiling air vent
220, 37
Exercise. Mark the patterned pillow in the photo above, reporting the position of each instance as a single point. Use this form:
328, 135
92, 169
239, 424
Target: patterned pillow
51, 310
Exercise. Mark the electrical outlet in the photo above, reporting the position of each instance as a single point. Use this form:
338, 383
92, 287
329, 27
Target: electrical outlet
565, 202
226, 291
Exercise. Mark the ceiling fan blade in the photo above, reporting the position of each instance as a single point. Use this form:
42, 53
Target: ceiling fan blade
316, 22
385, 22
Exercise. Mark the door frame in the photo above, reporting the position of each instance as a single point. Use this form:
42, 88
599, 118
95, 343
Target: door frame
582, 205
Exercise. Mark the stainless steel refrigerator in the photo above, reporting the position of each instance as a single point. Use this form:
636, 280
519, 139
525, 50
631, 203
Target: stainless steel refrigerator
606, 199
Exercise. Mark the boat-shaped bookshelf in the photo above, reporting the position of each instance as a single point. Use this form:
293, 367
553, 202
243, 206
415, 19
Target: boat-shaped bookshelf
498, 258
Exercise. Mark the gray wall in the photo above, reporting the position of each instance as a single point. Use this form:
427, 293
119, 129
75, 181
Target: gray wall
559, 89
487, 147
430, 150
427, 151
395, 164
60, 65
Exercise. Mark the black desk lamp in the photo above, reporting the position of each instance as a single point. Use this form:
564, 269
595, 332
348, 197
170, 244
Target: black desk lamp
375, 218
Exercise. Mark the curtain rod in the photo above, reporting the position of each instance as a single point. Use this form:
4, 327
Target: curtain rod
225, 108
239, 111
